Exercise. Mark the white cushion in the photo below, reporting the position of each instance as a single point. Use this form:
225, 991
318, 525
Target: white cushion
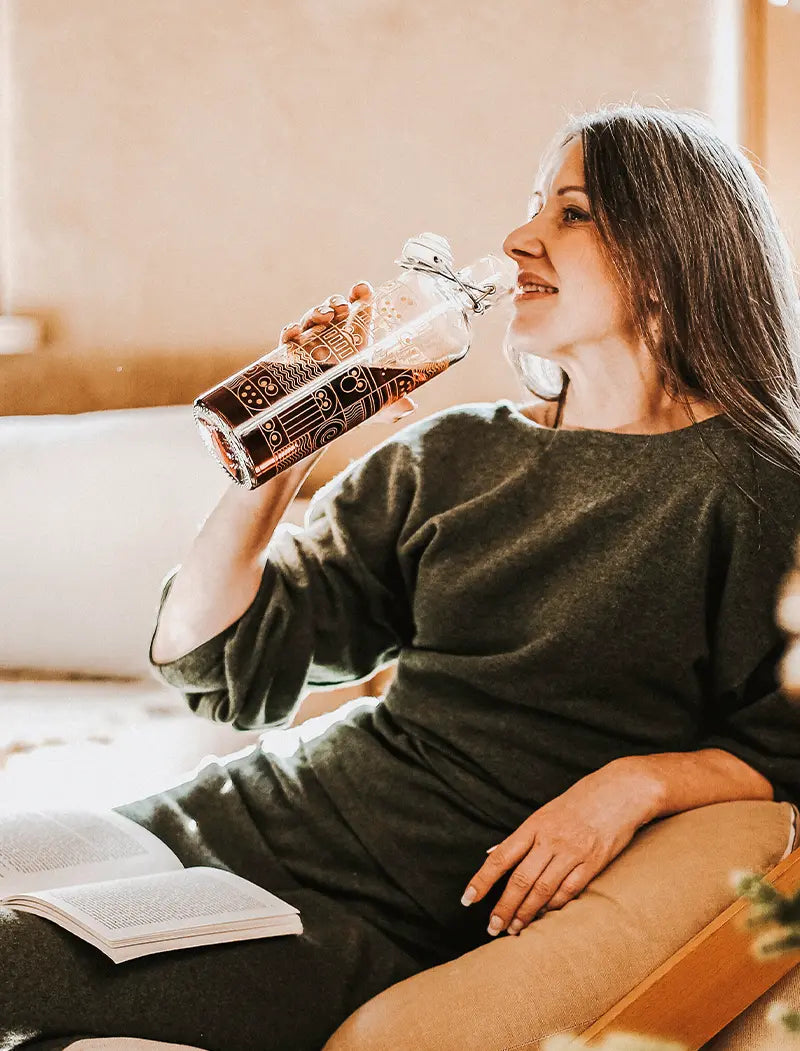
97, 507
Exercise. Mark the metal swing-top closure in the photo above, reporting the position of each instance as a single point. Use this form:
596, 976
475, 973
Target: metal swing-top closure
431, 254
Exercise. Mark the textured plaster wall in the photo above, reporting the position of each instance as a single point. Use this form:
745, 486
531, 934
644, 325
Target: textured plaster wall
185, 176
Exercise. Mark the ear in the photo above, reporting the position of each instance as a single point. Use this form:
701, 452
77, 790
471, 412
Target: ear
655, 324
654, 321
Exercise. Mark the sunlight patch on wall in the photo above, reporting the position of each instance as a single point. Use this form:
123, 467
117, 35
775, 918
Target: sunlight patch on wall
725, 91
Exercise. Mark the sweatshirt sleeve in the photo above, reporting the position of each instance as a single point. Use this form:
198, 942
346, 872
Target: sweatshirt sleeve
333, 603
750, 716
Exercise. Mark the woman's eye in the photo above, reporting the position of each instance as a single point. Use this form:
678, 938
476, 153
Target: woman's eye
571, 215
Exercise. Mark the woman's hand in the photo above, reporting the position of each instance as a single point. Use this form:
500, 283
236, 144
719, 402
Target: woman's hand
562, 846
354, 315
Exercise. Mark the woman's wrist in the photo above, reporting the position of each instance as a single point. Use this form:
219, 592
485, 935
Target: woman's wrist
645, 784
677, 781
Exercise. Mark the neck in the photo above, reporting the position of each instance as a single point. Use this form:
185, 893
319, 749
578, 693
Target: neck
614, 384
633, 419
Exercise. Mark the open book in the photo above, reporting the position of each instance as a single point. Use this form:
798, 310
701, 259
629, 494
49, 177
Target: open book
117, 886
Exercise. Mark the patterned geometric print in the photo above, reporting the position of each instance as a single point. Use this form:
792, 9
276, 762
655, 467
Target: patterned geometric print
293, 431
259, 388
326, 399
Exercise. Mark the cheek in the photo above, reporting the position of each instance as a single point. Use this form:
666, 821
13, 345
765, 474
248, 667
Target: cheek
600, 307
594, 297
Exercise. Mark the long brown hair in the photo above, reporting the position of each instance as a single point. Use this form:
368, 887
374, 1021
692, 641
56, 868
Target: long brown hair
695, 245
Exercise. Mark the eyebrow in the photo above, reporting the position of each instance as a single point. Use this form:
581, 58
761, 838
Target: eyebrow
559, 192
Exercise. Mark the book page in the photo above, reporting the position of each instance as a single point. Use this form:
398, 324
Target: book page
152, 908
41, 849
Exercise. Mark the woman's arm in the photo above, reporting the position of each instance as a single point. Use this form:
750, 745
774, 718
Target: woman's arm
219, 577
685, 780
330, 603
562, 846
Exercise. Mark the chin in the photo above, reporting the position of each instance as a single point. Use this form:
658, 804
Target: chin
528, 338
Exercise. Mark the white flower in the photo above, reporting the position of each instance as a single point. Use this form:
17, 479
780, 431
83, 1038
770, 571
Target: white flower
776, 1012
636, 1042
562, 1043
739, 876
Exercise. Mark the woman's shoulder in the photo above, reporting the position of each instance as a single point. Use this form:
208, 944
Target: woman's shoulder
779, 484
762, 493
435, 446
477, 419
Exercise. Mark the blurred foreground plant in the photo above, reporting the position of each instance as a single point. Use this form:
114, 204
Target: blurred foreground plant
613, 1042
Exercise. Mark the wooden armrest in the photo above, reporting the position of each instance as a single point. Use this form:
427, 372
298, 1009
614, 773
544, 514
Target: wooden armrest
706, 983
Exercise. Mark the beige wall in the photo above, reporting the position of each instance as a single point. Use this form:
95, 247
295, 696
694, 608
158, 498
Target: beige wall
783, 117
185, 176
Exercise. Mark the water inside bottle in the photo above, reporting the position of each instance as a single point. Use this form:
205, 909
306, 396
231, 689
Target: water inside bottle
262, 448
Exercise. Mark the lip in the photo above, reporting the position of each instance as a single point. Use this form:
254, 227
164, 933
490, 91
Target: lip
529, 277
519, 295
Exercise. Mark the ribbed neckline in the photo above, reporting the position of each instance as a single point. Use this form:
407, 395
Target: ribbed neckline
709, 423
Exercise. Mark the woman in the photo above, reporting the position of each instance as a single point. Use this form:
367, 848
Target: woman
579, 594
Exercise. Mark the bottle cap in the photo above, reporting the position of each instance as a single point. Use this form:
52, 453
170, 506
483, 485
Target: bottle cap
429, 252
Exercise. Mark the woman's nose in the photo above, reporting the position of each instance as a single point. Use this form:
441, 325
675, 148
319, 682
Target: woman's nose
522, 243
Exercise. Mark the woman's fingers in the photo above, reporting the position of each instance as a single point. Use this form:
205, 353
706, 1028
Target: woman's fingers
356, 310
503, 856
331, 310
341, 307
319, 315
571, 884
360, 325
361, 290
393, 413
289, 332
403, 407
539, 873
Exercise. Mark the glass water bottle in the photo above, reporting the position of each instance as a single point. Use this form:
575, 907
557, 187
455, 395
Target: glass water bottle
296, 399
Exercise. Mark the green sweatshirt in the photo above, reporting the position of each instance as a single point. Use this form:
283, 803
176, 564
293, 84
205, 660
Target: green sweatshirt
554, 600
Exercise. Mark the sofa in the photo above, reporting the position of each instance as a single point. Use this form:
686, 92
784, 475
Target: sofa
97, 508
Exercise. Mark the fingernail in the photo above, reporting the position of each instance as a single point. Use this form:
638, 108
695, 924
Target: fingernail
489, 851
495, 926
325, 310
470, 894
515, 926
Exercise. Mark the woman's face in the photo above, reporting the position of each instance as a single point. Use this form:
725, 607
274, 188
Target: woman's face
559, 247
